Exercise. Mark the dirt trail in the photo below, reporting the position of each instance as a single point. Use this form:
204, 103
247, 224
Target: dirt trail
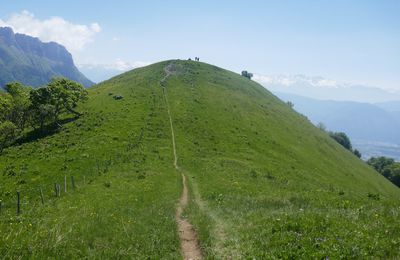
189, 243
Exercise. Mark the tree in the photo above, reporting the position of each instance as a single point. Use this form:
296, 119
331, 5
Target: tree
19, 103
357, 153
8, 133
43, 115
395, 174
247, 74
387, 167
59, 96
42, 108
14, 104
290, 104
5, 106
380, 163
65, 95
342, 139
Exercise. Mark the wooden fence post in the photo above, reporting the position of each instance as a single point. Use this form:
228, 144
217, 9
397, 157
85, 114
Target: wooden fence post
65, 183
41, 196
18, 203
55, 189
59, 190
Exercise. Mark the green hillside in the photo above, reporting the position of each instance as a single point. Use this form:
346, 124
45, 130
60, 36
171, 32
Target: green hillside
263, 181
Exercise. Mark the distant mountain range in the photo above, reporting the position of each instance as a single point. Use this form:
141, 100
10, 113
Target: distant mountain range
373, 128
102, 72
392, 106
359, 120
99, 73
326, 89
28, 60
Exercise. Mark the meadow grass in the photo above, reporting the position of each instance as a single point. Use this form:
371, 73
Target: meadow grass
264, 182
272, 185
120, 156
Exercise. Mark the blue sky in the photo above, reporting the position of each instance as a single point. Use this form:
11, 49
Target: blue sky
348, 41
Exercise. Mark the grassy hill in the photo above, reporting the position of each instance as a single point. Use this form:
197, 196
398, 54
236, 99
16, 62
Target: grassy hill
263, 181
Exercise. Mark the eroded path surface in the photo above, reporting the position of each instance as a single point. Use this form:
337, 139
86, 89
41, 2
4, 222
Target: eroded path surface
188, 237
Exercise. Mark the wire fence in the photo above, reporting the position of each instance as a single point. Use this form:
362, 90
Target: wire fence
24, 199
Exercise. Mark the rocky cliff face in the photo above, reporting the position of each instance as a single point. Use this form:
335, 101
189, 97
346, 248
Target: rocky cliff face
28, 60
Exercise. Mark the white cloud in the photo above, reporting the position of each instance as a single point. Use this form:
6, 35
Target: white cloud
295, 80
262, 79
326, 83
118, 64
73, 36
325, 89
122, 65
95, 27
99, 72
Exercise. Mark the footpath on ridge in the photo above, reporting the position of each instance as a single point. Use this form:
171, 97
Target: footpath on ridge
188, 237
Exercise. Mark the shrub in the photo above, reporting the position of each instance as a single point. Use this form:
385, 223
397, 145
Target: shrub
253, 174
357, 153
342, 139
8, 133
290, 104
374, 196
387, 167
118, 97
247, 74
